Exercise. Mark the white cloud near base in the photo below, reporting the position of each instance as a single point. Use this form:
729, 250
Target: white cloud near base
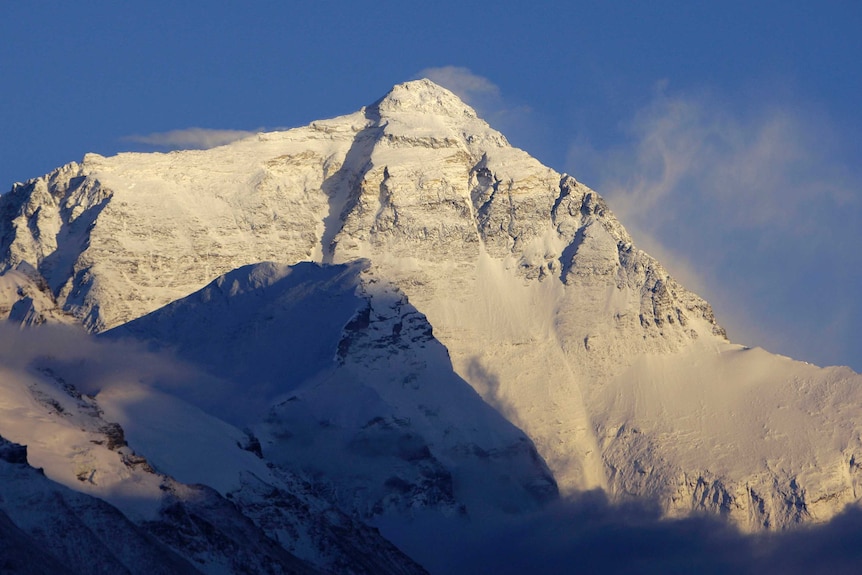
190, 138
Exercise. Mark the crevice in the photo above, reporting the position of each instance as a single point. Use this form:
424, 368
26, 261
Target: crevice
384, 201
344, 187
73, 239
567, 184
480, 197
512, 228
567, 257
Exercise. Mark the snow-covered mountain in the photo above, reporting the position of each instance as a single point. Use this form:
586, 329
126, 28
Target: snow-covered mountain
364, 381
451, 329
87, 411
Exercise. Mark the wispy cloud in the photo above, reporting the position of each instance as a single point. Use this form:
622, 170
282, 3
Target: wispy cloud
190, 138
751, 198
766, 168
93, 364
470, 87
516, 121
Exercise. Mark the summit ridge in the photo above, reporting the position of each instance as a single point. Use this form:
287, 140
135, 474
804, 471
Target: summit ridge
425, 97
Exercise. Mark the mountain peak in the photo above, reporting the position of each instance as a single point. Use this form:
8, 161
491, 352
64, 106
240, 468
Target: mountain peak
423, 96
537, 297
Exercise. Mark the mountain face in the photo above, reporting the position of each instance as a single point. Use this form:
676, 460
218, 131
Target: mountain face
394, 314
192, 505
26, 300
370, 387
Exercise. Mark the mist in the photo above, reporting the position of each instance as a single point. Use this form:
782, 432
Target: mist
588, 534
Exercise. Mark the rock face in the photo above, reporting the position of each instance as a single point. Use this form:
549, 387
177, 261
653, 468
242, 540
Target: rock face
414, 214
26, 299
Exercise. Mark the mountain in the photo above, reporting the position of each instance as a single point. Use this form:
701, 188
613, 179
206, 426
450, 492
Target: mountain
398, 317
86, 411
365, 382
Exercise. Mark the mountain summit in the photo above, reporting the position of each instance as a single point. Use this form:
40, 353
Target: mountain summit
443, 308
426, 98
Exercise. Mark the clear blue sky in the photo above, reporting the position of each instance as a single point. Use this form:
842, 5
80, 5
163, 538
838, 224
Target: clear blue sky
726, 135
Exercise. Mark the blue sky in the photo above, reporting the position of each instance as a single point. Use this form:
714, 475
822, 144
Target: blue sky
725, 135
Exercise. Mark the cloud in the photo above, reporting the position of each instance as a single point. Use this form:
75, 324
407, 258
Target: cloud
468, 86
516, 121
92, 364
587, 533
86, 362
750, 202
190, 138
765, 168
583, 533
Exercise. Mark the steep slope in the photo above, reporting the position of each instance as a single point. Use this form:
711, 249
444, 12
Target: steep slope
544, 303
759, 438
26, 300
197, 498
68, 532
366, 400
78, 447
529, 280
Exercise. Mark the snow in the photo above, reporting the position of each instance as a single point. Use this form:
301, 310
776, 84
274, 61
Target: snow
772, 420
180, 439
61, 531
24, 300
370, 375
620, 376
64, 438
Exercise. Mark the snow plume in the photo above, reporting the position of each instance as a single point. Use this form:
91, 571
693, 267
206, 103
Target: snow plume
587, 534
470, 87
517, 121
765, 169
190, 138
757, 200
